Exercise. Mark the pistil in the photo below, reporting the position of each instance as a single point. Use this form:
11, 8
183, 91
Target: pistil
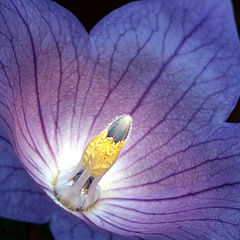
78, 188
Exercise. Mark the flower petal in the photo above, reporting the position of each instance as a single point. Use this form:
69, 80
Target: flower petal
68, 227
20, 198
174, 67
43, 53
164, 63
189, 192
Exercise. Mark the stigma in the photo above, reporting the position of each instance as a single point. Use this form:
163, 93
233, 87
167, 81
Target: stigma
77, 188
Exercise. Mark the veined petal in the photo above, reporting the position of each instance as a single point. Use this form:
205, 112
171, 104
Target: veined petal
173, 66
20, 198
68, 227
188, 192
170, 65
43, 54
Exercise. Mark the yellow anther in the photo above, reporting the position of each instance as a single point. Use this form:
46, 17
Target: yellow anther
101, 153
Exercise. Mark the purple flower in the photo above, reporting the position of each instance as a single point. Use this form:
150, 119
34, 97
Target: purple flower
173, 66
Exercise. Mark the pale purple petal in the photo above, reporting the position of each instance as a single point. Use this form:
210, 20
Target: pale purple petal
193, 191
68, 227
174, 66
43, 54
20, 198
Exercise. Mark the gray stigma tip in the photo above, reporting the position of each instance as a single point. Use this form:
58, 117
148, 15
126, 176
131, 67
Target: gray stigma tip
120, 128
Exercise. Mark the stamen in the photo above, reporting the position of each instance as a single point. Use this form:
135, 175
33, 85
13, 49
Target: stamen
78, 188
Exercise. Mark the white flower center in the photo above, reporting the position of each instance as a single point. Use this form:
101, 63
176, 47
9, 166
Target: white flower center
78, 188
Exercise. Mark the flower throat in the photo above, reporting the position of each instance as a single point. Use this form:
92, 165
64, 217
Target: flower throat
77, 188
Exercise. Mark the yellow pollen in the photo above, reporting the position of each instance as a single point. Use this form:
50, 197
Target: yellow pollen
101, 153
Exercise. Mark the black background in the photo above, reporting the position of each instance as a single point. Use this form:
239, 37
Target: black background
89, 13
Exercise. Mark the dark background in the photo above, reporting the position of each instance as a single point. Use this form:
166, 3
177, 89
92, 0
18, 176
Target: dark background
89, 13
